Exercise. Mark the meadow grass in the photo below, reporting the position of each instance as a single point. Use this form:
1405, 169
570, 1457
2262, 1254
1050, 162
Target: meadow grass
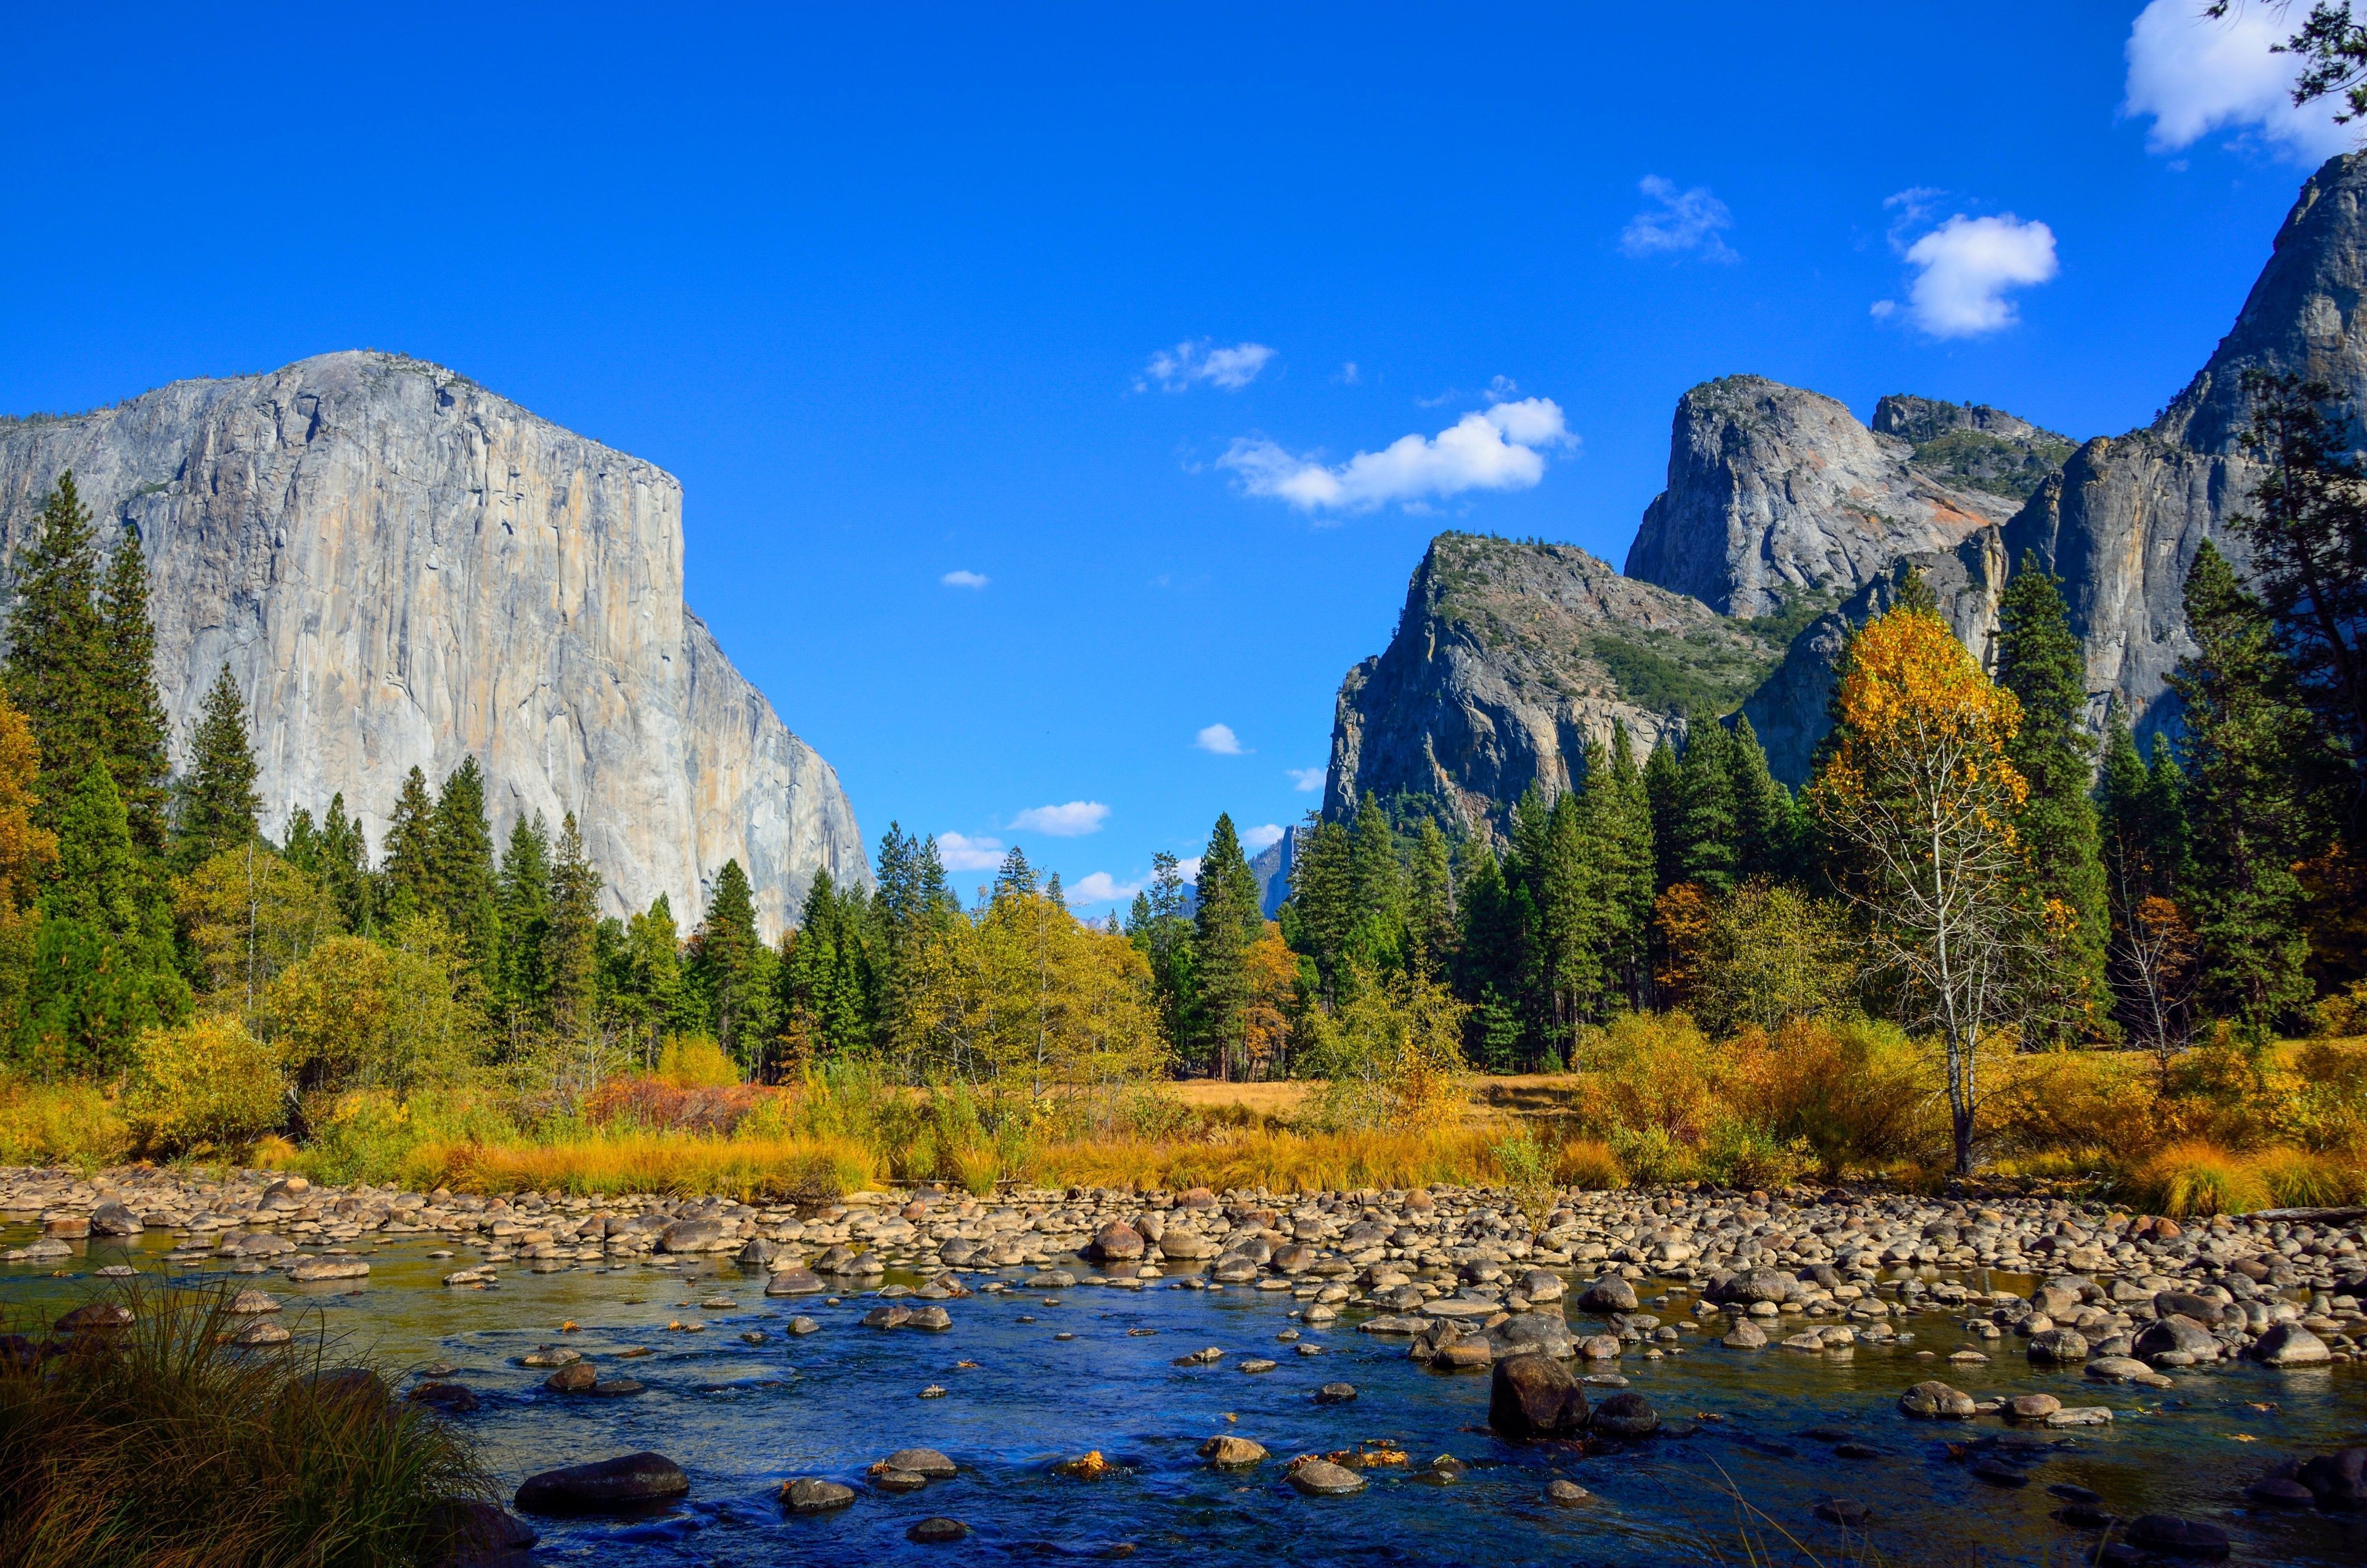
162, 1445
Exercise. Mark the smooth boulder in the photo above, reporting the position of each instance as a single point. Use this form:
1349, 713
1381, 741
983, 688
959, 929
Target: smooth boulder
608, 1485
1534, 1396
2290, 1345
1625, 1414
1936, 1402
810, 1494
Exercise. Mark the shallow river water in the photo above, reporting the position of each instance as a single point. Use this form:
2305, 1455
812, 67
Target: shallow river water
742, 1418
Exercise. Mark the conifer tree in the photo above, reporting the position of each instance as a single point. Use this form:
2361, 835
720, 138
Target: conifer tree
408, 864
2251, 808
912, 900
651, 985
1319, 920
1620, 809
1660, 791
130, 711
1429, 906
1569, 894
825, 978
1490, 970
1226, 923
1162, 932
569, 936
2039, 661
731, 967
1378, 886
461, 846
58, 645
1766, 826
1015, 875
1704, 817
218, 806
2149, 959
522, 977
343, 867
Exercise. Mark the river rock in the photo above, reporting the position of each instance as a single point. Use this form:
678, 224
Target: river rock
1936, 1402
895, 1314
2180, 1334
320, 1268
2174, 1537
604, 1487
95, 1318
114, 1219
251, 1301
938, 1531
1336, 1393
1745, 1336
2338, 1481
2058, 1346
1322, 1478
260, 1333
577, 1378
2123, 1369
1117, 1242
2031, 1406
926, 1463
468, 1534
2290, 1345
1232, 1453
810, 1495
1625, 1414
795, 1281
1609, 1294
1534, 1396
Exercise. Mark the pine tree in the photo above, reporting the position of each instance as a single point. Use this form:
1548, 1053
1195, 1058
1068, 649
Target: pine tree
1572, 937
1766, 822
569, 936
343, 867
1377, 881
1161, 932
825, 981
1660, 792
1015, 875
731, 967
2250, 801
2150, 956
2040, 662
461, 847
913, 899
1319, 920
130, 711
522, 980
58, 645
1491, 973
1703, 821
1430, 905
651, 985
407, 870
1620, 811
219, 806
1226, 923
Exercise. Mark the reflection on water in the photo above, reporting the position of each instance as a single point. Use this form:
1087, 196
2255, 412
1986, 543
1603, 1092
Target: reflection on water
742, 1417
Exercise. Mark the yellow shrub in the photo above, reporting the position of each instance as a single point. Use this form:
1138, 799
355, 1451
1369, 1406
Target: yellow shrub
2299, 1180
1589, 1164
693, 1061
206, 1084
59, 1123
652, 1162
2198, 1177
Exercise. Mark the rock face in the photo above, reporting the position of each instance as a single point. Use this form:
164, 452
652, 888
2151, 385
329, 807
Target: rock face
1511, 661
402, 570
1775, 493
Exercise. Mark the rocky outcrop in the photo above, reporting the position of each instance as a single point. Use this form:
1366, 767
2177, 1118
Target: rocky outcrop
402, 569
1271, 866
1972, 446
1512, 661
1775, 492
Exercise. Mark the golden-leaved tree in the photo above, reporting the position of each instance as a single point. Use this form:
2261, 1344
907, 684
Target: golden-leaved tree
1915, 792
27, 853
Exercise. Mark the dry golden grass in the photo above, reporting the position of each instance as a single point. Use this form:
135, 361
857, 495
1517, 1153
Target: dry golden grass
653, 1162
1279, 1162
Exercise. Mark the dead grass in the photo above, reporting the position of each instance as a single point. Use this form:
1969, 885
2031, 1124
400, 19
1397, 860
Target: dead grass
689, 1164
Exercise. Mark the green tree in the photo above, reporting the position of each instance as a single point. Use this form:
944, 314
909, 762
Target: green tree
1319, 920
460, 846
2040, 662
732, 970
1226, 922
2251, 803
58, 645
2142, 843
522, 982
218, 806
1493, 962
131, 713
1430, 905
1766, 822
828, 1001
911, 902
648, 985
407, 871
1378, 879
570, 939
1662, 791
1705, 819
1161, 929
1620, 808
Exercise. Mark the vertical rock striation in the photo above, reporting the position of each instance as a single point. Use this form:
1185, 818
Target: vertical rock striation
402, 569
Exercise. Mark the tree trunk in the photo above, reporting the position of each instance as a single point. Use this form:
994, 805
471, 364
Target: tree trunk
1963, 1117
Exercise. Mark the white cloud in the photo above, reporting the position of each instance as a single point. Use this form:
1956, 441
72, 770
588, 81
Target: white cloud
965, 580
1177, 369
1964, 268
1350, 375
1683, 220
1100, 887
1073, 821
1220, 740
1256, 839
1188, 868
1304, 779
962, 853
1500, 447
2195, 75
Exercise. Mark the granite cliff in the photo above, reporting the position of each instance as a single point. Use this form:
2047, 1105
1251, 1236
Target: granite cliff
402, 568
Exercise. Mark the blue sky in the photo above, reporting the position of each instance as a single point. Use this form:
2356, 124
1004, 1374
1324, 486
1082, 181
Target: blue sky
1097, 306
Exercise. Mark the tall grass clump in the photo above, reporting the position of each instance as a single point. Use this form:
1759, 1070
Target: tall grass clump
2199, 1178
746, 1168
160, 1446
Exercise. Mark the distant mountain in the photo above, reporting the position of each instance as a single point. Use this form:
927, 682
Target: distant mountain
1271, 866
1785, 523
402, 569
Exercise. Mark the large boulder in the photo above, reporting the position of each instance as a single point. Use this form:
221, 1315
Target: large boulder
1936, 1402
692, 1236
795, 1281
1117, 1242
608, 1485
1753, 1285
2290, 1345
1609, 1294
114, 1219
1626, 1415
1535, 1396
2180, 1334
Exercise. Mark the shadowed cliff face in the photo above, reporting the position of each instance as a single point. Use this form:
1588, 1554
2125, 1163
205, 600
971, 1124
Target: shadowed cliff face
403, 569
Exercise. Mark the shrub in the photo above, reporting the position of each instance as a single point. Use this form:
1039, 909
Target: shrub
70, 1123
206, 1084
2198, 1177
694, 1061
1769, 953
1391, 1058
161, 1446
2298, 1179
1589, 1165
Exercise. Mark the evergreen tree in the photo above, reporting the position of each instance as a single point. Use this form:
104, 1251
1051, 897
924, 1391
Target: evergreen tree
522, 977
461, 849
649, 987
58, 645
1430, 905
1620, 808
343, 867
408, 864
130, 711
1162, 931
1226, 923
912, 899
2249, 802
2039, 661
732, 968
1015, 875
825, 979
2142, 848
1766, 822
570, 936
1490, 972
1319, 920
103, 966
1376, 879
1703, 821
1569, 894
1660, 792
219, 806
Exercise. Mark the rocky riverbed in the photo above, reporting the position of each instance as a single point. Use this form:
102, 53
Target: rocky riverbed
1905, 1366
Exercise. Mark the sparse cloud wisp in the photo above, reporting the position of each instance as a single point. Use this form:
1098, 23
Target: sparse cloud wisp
965, 580
1100, 887
1198, 364
959, 852
1259, 839
1074, 820
1679, 222
1220, 739
1304, 780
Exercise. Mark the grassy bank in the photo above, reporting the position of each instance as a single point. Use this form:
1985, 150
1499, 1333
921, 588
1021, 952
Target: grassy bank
160, 1445
1649, 1099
